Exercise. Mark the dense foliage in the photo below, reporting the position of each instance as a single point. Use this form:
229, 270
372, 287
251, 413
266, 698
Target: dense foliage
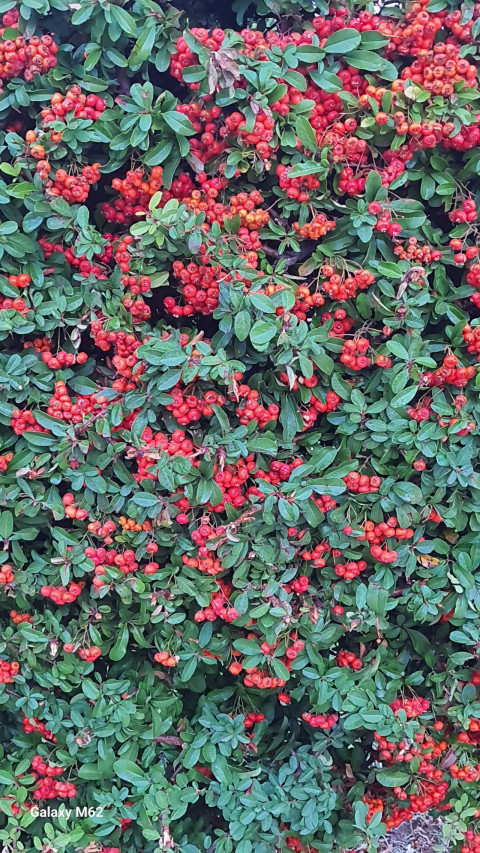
240, 510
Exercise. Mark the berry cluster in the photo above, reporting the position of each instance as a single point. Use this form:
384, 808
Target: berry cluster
231, 479
5, 458
7, 575
125, 360
135, 193
305, 300
449, 374
316, 228
210, 565
473, 842
300, 585
317, 554
341, 325
361, 483
128, 525
383, 555
463, 256
166, 659
376, 534
49, 788
17, 304
353, 354
384, 222
25, 57
412, 707
301, 189
81, 263
60, 406
63, 359
20, 618
349, 659
177, 445
200, 288
411, 251
439, 69
466, 213
257, 678
7, 670
72, 188
279, 472
350, 184
254, 410
184, 57
61, 594
25, 422
340, 287
33, 724
22, 280
74, 102
101, 558
320, 721
137, 284
219, 607
421, 412
71, 511
251, 719
42, 769
259, 137
89, 654
472, 338
203, 120
252, 218
187, 407
351, 570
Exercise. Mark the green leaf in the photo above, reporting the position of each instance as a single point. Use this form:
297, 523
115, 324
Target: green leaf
366, 60
6, 778
401, 400
6, 524
124, 19
131, 773
409, 492
89, 772
326, 80
306, 133
342, 42
117, 652
309, 53
143, 46
189, 669
392, 778
288, 511
279, 669
242, 325
373, 185
82, 385
180, 124
145, 499
159, 153
374, 40
311, 168
261, 333
389, 269
262, 303
396, 348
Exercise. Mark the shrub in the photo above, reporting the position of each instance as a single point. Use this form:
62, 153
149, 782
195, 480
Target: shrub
240, 293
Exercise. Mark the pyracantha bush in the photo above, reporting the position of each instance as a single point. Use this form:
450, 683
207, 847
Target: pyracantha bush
239, 487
